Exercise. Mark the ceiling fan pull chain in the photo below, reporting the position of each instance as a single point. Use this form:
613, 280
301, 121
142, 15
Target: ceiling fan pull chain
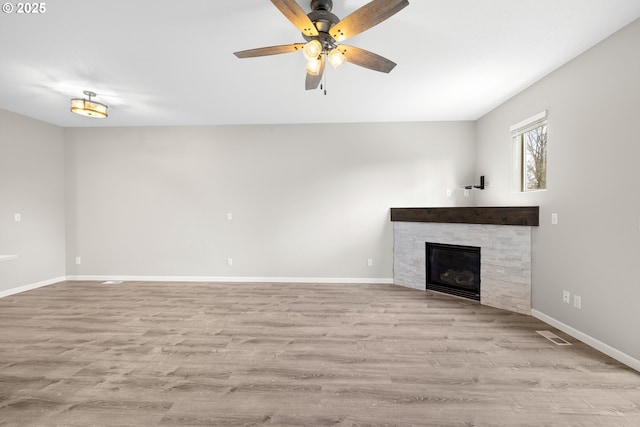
324, 85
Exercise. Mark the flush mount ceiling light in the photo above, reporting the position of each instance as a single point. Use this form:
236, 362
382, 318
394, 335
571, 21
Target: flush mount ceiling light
89, 107
324, 33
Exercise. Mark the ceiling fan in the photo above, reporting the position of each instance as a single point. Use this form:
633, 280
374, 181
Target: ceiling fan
324, 33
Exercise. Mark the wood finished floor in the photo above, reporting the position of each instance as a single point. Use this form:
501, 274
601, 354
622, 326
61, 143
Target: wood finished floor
183, 354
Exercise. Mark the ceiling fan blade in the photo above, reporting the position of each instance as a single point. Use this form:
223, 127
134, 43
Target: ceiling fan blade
312, 81
271, 50
297, 16
366, 59
366, 17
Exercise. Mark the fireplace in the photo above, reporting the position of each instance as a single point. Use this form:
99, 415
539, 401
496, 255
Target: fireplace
503, 234
453, 269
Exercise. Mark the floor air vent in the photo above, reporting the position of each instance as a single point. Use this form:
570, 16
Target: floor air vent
553, 338
112, 282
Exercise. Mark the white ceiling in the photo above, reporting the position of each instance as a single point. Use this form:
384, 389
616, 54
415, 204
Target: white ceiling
160, 62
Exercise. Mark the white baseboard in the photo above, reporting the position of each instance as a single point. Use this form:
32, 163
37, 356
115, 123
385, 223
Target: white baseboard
31, 286
218, 279
597, 344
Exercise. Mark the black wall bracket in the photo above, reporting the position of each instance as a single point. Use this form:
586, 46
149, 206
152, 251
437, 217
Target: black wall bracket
479, 187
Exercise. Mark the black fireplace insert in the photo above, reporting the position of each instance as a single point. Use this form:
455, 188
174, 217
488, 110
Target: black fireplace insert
453, 269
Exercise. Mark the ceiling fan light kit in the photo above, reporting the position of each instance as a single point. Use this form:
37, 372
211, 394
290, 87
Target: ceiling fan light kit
89, 107
324, 33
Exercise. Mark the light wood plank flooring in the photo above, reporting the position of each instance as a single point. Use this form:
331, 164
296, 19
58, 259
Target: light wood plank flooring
207, 354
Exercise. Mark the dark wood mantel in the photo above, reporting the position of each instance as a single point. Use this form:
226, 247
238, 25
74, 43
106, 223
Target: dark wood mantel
508, 215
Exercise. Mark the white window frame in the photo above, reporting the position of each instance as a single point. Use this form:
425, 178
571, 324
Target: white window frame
517, 132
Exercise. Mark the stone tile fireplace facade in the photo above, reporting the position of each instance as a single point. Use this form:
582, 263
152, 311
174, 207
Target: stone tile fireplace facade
505, 266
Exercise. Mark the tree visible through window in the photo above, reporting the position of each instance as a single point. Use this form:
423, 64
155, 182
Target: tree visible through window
534, 159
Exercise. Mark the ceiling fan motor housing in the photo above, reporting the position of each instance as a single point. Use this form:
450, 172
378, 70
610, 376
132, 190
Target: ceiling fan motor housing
323, 20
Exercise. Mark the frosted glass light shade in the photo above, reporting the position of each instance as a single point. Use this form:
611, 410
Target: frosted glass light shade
312, 49
89, 108
313, 66
336, 58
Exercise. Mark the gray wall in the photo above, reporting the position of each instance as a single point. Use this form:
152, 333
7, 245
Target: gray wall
31, 184
594, 149
308, 201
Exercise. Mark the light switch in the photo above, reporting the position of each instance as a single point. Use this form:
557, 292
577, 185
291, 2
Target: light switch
17, 217
554, 218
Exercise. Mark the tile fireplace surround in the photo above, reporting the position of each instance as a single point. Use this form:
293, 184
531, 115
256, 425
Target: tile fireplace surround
502, 233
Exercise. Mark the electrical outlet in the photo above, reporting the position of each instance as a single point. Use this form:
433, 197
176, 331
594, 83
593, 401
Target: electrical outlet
369, 262
448, 193
229, 216
554, 218
229, 261
566, 297
17, 217
78, 260
466, 193
577, 302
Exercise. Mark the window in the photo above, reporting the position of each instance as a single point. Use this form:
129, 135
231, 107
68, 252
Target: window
530, 153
